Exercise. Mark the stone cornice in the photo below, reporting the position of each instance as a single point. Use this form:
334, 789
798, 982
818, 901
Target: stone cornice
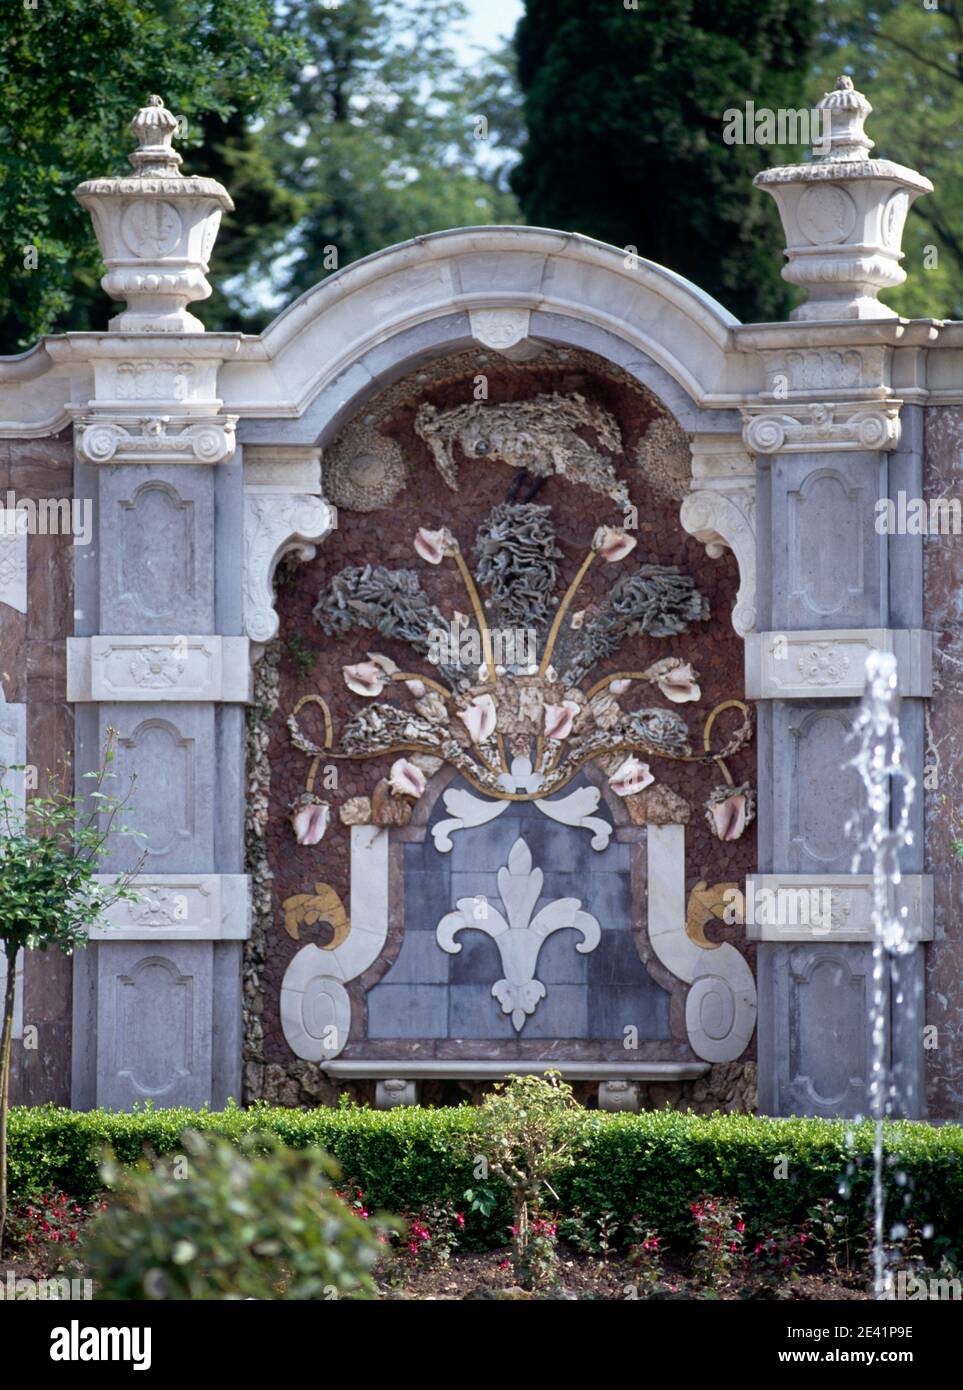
918, 361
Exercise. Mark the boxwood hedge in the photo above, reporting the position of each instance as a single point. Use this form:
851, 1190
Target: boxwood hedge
654, 1163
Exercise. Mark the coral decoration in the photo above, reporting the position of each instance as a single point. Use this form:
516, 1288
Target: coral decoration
480, 717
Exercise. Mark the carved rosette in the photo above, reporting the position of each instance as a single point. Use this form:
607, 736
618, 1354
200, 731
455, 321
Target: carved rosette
500, 329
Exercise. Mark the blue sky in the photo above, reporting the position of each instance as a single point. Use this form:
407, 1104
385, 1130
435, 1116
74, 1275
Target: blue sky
491, 20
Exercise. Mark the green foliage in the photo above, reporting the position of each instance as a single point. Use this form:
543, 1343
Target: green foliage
229, 1221
908, 60
523, 1138
73, 74
625, 115
377, 137
302, 656
50, 850
650, 1166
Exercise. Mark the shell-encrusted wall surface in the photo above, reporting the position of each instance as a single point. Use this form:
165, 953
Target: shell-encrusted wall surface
943, 615
446, 468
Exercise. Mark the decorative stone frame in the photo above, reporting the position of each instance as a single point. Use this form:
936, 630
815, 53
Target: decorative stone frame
714, 1019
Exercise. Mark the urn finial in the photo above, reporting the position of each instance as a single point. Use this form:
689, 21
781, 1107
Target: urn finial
843, 214
154, 127
847, 110
156, 230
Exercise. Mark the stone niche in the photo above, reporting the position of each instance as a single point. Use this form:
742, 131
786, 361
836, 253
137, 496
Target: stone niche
356, 937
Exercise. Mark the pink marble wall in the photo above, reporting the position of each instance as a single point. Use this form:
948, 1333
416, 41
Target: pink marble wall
943, 615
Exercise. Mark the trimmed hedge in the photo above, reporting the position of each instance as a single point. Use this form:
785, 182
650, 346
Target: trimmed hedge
654, 1163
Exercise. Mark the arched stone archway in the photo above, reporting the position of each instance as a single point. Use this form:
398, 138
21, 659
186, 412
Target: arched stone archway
511, 289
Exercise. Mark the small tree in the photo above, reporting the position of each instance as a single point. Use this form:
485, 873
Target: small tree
50, 850
524, 1137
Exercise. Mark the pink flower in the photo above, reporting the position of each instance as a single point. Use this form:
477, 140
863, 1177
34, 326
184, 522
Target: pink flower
559, 719
613, 543
479, 718
630, 777
366, 678
406, 780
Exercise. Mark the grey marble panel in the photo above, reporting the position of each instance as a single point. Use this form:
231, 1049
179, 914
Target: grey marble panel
829, 563
814, 1029
814, 793
156, 548
155, 1023
408, 1011
905, 468
171, 750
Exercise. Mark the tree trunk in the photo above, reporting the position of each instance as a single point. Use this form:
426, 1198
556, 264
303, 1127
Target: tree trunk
6, 1049
522, 1272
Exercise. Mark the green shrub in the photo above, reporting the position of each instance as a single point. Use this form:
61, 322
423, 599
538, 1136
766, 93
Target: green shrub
223, 1220
652, 1165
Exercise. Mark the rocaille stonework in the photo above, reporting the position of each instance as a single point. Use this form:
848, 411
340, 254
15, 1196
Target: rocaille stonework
303, 662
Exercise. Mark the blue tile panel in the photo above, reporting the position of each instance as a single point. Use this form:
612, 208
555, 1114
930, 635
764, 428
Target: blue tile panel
429, 993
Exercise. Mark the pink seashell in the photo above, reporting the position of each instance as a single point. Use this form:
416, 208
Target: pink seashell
417, 688
433, 546
406, 780
559, 719
630, 777
619, 687
680, 685
365, 678
729, 811
479, 718
612, 543
310, 817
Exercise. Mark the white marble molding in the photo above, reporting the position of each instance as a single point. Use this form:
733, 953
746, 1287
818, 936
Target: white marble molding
828, 907
830, 664
158, 669
179, 907
720, 1010
315, 1007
